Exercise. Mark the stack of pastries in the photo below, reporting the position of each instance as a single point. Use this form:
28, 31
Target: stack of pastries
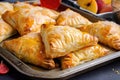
46, 35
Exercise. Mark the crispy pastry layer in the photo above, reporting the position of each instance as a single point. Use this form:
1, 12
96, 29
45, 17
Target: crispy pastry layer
60, 40
83, 55
45, 11
107, 32
71, 18
30, 48
27, 20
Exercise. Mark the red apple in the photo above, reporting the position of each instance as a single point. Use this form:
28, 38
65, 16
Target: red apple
3, 68
106, 8
100, 4
52, 4
96, 6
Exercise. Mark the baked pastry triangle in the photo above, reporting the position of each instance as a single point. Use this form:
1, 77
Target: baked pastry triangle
27, 20
60, 40
83, 55
30, 49
71, 18
45, 11
107, 32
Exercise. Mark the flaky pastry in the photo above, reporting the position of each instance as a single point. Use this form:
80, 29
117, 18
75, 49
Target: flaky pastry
83, 55
107, 32
30, 49
45, 11
71, 18
60, 40
27, 20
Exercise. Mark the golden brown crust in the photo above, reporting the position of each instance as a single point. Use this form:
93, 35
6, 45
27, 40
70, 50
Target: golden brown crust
107, 32
83, 55
71, 18
60, 40
30, 48
27, 20
44, 11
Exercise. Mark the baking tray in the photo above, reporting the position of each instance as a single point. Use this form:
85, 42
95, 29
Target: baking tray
39, 73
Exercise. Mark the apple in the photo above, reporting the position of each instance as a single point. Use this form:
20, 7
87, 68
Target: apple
90, 5
52, 4
100, 5
106, 8
96, 6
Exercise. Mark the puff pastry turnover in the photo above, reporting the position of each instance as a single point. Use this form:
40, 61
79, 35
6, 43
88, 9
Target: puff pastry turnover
60, 40
45, 11
27, 20
29, 48
107, 32
83, 55
71, 18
